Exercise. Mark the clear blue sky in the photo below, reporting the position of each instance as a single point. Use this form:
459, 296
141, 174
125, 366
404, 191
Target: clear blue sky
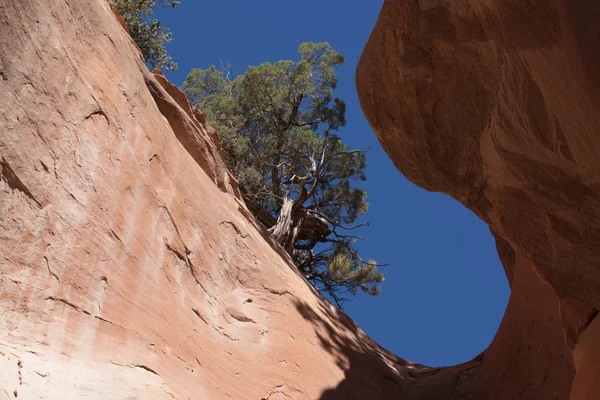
445, 291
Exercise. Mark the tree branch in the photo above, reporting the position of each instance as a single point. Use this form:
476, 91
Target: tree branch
354, 253
338, 225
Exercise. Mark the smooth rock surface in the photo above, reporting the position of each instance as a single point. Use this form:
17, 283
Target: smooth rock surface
130, 268
495, 103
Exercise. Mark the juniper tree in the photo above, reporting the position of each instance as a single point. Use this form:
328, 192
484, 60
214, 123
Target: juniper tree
278, 123
150, 36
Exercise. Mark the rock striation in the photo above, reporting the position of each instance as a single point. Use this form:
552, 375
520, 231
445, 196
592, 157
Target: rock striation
129, 266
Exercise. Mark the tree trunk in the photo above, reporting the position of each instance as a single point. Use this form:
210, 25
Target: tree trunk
286, 228
295, 223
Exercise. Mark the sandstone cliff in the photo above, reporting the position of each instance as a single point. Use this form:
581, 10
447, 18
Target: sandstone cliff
496, 103
130, 268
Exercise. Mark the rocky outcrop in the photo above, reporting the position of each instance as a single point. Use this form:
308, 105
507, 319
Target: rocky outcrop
130, 267
496, 104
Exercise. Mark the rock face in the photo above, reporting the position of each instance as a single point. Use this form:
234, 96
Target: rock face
495, 103
130, 267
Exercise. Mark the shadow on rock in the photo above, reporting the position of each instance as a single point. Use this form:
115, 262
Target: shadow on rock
370, 371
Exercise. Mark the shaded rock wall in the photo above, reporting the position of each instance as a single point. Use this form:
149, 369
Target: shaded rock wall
496, 103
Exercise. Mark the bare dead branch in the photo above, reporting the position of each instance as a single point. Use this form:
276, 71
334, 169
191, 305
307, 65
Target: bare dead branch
336, 224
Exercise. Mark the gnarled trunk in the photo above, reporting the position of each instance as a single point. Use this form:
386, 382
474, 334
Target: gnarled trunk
296, 223
286, 228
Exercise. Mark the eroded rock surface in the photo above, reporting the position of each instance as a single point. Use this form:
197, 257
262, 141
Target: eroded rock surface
129, 267
496, 103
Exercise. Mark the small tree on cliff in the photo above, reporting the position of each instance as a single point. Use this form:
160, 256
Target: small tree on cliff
147, 32
278, 123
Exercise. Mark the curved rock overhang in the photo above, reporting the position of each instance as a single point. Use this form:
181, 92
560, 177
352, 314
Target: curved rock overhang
496, 104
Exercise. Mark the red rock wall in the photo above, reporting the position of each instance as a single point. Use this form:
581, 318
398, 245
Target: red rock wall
496, 103
129, 268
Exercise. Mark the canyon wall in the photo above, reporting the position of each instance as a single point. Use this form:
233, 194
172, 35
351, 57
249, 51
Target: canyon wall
130, 267
495, 103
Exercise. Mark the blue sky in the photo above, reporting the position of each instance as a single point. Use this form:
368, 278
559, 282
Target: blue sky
445, 291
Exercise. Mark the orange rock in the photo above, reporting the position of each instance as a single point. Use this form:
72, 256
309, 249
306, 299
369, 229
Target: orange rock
130, 267
496, 104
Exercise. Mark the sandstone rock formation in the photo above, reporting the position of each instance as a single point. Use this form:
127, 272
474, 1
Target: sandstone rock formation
130, 268
496, 103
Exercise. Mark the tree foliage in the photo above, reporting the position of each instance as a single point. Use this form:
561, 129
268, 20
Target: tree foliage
278, 124
150, 36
